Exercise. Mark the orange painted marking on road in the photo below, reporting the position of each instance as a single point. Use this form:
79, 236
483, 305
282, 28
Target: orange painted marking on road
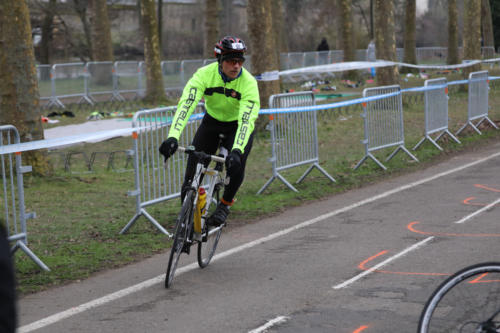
468, 200
485, 187
361, 328
364, 262
480, 279
411, 228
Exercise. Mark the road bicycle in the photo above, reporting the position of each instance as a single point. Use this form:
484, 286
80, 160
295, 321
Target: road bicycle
467, 301
191, 226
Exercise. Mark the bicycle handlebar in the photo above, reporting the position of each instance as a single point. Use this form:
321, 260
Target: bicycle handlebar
201, 155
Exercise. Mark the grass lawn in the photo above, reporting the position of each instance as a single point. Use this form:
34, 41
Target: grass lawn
80, 213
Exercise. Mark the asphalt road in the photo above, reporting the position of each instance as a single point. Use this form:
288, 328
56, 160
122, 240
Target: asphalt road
364, 261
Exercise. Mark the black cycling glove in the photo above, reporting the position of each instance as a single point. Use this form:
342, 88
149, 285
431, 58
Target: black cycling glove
168, 147
233, 161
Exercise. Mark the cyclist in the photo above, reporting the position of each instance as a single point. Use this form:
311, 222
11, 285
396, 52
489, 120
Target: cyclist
232, 104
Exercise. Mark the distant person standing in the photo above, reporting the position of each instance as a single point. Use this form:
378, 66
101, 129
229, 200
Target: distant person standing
323, 46
7, 285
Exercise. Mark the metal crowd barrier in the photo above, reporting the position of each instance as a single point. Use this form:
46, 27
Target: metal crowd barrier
44, 77
188, 68
171, 71
383, 123
68, 81
155, 182
87, 80
100, 79
294, 137
14, 212
478, 101
127, 79
436, 112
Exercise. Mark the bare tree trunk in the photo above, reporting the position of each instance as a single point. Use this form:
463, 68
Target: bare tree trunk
472, 39
262, 49
211, 26
155, 92
410, 52
81, 10
339, 42
347, 42
453, 56
278, 28
19, 96
385, 41
102, 47
487, 24
160, 25
47, 32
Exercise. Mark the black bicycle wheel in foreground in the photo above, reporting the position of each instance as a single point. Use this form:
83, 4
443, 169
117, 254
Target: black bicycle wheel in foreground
180, 236
207, 247
468, 301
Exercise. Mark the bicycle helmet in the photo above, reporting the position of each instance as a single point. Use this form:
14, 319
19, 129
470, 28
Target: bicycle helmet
230, 47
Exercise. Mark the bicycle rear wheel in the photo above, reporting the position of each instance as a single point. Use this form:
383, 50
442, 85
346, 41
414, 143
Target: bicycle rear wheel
207, 247
468, 301
180, 236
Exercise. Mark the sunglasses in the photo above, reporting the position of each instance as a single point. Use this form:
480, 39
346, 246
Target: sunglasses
235, 61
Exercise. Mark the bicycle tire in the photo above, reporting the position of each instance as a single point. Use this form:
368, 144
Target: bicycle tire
207, 247
465, 301
180, 236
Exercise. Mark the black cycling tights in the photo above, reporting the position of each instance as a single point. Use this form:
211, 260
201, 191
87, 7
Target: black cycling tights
206, 139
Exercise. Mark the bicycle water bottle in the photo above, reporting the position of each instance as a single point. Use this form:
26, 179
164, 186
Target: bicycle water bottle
200, 209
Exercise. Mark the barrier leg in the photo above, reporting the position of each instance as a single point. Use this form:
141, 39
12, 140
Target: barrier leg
489, 121
427, 137
280, 177
130, 223
467, 124
420, 142
369, 155
150, 218
25, 249
451, 136
270, 180
401, 147
320, 169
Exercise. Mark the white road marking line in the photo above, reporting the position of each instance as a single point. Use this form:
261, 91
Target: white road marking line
411, 248
383, 263
159, 279
468, 217
269, 324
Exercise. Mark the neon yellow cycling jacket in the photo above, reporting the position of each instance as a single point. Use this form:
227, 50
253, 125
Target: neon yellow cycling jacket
237, 99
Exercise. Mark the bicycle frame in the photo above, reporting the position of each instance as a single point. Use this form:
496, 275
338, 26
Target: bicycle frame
185, 235
214, 174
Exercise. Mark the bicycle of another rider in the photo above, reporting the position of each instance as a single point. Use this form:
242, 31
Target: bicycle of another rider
199, 203
466, 302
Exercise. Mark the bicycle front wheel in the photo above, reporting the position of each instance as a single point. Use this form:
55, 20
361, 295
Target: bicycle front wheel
211, 236
180, 237
468, 301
